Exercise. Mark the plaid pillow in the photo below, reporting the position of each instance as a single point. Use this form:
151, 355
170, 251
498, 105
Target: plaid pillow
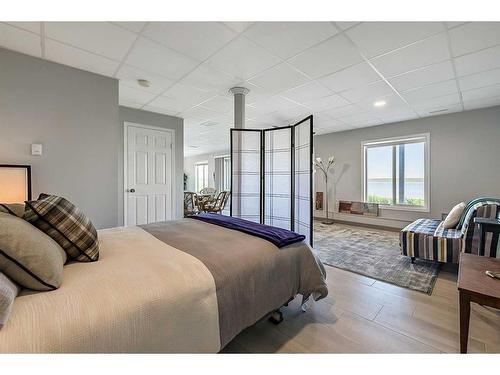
66, 224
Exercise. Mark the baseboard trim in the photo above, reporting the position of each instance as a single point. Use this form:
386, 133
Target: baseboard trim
358, 224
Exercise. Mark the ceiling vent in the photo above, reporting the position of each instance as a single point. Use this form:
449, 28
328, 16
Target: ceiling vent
209, 123
439, 110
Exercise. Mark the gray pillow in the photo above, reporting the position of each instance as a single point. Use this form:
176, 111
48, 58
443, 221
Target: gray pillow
8, 292
28, 256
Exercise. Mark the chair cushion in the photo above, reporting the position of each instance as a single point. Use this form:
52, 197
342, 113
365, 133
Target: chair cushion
427, 239
454, 216
28, 256
8, 292
66, 224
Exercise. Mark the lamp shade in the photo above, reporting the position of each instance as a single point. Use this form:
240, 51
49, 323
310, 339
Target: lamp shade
15, 183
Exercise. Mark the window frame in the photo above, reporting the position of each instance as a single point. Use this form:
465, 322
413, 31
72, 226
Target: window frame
196, 165
405, 139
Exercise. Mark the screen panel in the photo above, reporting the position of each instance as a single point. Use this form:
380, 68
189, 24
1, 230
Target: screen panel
246, 174
278, 177
302, 178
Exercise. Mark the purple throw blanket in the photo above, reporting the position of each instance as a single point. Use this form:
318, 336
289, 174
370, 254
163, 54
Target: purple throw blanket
277, 236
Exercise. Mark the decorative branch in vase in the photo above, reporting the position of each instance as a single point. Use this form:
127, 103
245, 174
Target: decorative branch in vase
325, 168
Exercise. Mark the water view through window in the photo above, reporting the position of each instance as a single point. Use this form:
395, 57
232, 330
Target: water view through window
395, 173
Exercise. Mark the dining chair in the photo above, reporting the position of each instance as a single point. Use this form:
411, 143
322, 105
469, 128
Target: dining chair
217, 206
190, 206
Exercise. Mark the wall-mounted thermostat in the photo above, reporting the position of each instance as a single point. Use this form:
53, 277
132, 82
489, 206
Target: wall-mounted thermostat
36, 149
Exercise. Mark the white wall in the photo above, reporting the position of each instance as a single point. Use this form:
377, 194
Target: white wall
190, 162
464, 159
75, 115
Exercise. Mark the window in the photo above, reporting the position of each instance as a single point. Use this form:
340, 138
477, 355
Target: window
396, 172
201, 176
227, 173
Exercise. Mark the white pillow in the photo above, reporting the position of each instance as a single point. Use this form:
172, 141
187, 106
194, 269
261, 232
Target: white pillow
454, 216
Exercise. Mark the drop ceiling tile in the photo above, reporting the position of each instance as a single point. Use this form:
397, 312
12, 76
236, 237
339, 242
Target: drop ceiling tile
278, 78
346, 25
431, 91
478, 80
158, 59
307, 92
164, 111
451, 25
287, 39
481, 93
437, 104
243, 58
352, 77
423, 76
67, 55
388, 115
481, 103
169, 105
328, 57
375, 38
135, 95
347, 110
371, 92
239, 27
20, 40
102, 38
361, 120
478, 61
210, 79
133, 26
198, 40
268, 105
429, 51
326, 103
34, 27
436, 111
188, 95
129, 75
219, 103
201, 113
474, 36
129, 103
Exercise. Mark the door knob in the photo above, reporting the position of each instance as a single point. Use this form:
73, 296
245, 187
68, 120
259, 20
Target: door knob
131, 190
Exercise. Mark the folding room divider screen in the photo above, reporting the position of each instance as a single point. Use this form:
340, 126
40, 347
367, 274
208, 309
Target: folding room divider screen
271, 176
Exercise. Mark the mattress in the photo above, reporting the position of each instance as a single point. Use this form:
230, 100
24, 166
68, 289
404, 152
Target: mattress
183, 286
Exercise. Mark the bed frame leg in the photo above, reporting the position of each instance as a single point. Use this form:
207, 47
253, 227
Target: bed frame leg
413, 259
276, 317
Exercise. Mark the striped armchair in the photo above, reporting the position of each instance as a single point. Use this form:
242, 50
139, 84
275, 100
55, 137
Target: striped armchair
426, 239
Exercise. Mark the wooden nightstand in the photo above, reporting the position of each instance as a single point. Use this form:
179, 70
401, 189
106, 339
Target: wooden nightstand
475, 286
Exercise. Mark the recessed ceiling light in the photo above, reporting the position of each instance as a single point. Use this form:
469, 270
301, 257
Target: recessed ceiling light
379, 103
143, 82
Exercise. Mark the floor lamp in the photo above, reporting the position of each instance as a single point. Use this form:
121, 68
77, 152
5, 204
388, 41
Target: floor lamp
325, 169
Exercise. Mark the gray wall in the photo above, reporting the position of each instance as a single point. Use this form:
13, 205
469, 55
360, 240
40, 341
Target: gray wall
75, 115
163, 121
464, 161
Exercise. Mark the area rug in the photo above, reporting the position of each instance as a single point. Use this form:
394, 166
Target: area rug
374, 253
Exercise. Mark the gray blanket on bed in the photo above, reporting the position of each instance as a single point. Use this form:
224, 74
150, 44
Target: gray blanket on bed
252, 276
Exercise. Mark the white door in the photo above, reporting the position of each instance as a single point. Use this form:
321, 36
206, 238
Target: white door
148, 168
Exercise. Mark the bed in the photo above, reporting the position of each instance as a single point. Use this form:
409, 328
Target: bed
183, 286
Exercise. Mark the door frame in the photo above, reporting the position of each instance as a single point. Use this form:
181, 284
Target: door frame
126, 125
